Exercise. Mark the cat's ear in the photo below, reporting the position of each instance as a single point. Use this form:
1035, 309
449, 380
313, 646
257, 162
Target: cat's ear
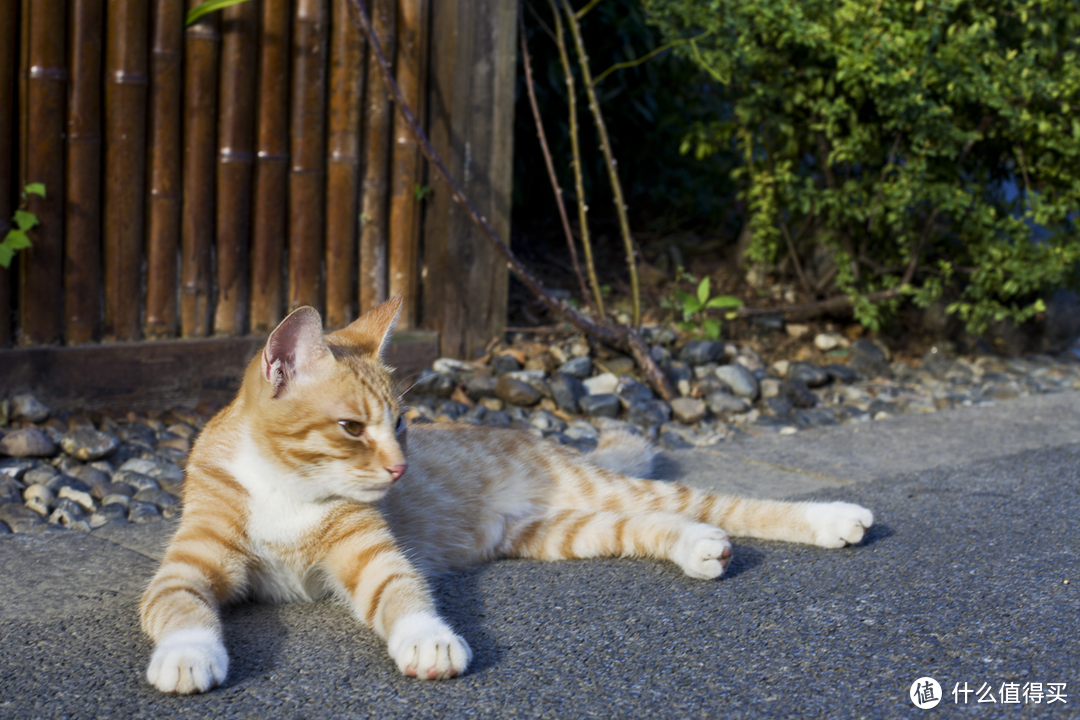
370, 333
293, 349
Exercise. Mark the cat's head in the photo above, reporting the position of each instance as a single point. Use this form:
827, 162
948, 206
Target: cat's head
325, 406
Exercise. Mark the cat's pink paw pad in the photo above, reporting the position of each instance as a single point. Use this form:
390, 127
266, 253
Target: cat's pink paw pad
703, 551
838, 524
424, 647
188, 661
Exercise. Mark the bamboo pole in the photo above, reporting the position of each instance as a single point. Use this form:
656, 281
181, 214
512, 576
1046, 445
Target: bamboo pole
373, 210
9, 24
343, 164
236, 149
405, 173
82, 231
271, 169
164, 158
41, 277
201, 46
308, 154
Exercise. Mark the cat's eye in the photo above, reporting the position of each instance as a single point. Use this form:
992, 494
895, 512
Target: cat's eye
400, 424
354, 428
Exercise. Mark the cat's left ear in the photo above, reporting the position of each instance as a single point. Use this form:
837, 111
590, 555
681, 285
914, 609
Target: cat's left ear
371, 333
294, 348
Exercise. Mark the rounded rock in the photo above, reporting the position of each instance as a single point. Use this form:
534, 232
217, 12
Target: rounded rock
505, 363
700, 352
22, 519
829, 341
546, 422
160, 498
66, 513
688, 410
27, 407
603, 384
600, 405
135, 479
841, 373
631, 392
143, 512
796, 390
27, 442
89, 475
577, 367
649, 412
88, 444
516, 392
567, 390
478, 387
811, 374
742, 382
109, 514
722, 403
39, 499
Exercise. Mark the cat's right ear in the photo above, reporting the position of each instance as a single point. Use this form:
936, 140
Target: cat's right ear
293, 349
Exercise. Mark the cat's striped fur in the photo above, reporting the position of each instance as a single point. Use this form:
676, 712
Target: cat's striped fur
291, 495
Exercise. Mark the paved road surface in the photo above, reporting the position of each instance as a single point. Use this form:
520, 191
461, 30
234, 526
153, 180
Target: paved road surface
962, 579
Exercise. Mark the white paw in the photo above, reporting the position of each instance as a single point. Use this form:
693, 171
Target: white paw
188, 661
838, 524
703, 551
424, 647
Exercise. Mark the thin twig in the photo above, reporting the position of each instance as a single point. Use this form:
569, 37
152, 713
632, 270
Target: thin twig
609, 160
795, 258
881, 184
540, 21
1019, 150
527, 61
582, 12
624, 338
646, 57
575, 153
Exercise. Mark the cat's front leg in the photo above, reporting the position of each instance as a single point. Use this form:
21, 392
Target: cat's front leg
390, 596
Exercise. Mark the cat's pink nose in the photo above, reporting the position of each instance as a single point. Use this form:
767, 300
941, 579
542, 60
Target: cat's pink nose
396, 471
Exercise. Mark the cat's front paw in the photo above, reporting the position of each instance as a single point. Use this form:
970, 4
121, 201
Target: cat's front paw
188, 661
838, 524
424, 647
703, 551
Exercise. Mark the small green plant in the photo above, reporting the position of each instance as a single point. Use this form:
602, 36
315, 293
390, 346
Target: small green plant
694, 308
422, 191
207, 7
16, 238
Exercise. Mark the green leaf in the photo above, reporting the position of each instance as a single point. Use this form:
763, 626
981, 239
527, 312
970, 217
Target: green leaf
689, 302
35, 189
25, 220
422, 191
703, 291
6, 253
712, 328
17, 240
724, 301
207, 7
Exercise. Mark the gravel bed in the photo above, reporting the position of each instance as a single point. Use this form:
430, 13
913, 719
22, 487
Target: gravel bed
82, 471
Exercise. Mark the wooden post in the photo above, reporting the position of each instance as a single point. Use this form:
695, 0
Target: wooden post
306, 178
41, 278
373, 210
236, 157
271, 169
200, 128
405, 173
471, 117
82, 233
163, 203
9, 23
343, 164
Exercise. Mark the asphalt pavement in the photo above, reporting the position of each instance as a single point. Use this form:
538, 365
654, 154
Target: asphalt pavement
962, 579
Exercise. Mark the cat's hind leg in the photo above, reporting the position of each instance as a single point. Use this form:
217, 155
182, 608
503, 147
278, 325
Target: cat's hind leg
701, 550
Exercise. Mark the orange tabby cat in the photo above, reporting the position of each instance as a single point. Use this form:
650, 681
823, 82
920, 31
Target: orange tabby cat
296, 491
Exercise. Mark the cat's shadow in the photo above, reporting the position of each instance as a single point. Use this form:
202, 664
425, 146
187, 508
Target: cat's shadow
254, 638
461, 603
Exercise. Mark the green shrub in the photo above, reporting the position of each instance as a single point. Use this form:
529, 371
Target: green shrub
931, 147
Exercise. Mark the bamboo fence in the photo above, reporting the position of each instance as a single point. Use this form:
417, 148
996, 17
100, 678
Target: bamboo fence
205, 181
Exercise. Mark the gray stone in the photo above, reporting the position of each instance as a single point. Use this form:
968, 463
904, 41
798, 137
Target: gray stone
722, 403
649, 412
815, 417
580, 429
681, 376
27, 442
81, 498
688, 410
567, 390
111, 488
167, 472
546, 422
811, 374
39, 499
22, 519
114, 514
505, 363
457, 369
43, 474
869, 358
160, 498
841, 373
742, 382
4, 529
135, 479
173, 455
451, 410
779, 406
88, 444
796, 390
16, 468
700, 352
66, 512
10, 491
28, 407
143, 512
603, 384
497, 419
535, 379
600, 405
117, 499
606, 424
578, 367
89, 475
473, 416
516, 392
433, 383
481, 386
770, 387
183, 430
140, 465
674, 440
632, 392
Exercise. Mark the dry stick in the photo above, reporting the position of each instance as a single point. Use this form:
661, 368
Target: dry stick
609, 160
579, 183
550, 165
624, 338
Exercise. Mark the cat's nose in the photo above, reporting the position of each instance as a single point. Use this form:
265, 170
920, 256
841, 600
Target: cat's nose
396, 471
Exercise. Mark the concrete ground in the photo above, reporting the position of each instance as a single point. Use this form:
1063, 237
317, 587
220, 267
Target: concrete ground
963, 579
